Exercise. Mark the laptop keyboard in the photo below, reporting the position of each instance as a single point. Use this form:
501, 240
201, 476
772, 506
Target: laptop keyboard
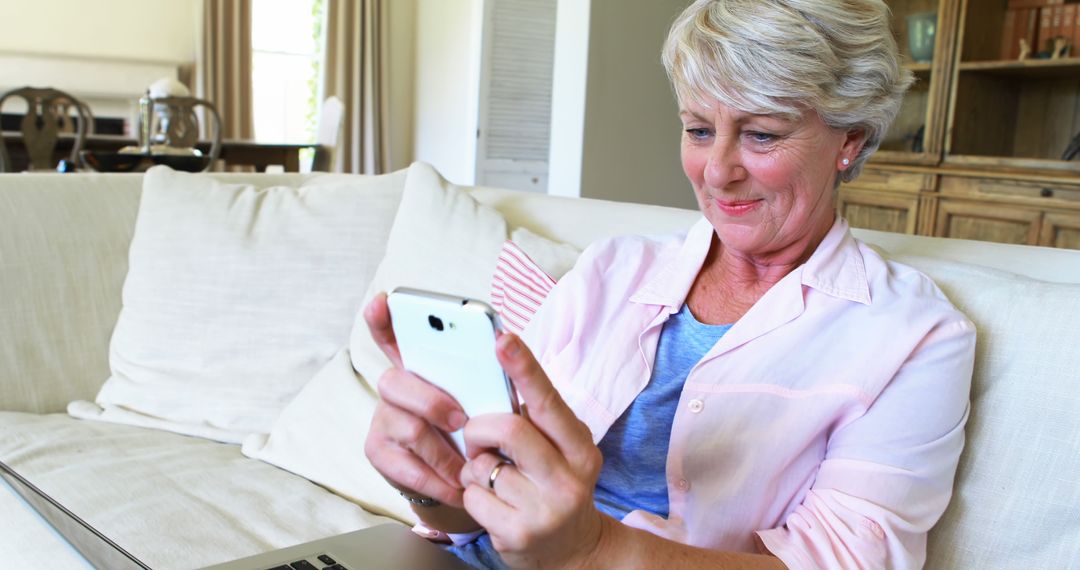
326, 563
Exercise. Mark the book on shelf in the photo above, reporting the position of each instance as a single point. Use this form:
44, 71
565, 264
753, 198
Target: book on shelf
1008, 34
1045, 27
1076, 29
1020, 23
1056, 23
1014, 4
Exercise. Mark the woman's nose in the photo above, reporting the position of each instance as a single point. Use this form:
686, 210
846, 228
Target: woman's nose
723, 167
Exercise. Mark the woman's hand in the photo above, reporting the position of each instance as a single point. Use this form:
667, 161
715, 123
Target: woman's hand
539, 511
407, 443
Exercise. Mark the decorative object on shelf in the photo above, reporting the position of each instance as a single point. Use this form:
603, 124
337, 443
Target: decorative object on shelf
1019, 28
1025, 50
922, 29
1060, 48
1073, 150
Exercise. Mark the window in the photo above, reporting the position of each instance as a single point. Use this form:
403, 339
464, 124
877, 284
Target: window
286, 37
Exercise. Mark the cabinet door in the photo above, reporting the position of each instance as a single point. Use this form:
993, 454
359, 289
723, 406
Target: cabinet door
882, 211
987, 222
925, 33
1061, 230
1008, 113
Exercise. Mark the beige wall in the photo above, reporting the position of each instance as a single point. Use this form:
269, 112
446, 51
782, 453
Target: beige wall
144, 30
104, 53
447, 86
631, 128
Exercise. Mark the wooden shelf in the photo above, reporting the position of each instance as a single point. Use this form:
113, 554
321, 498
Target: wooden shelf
1027, 68
918, 68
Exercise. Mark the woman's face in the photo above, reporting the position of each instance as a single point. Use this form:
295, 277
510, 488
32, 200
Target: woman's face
763, 181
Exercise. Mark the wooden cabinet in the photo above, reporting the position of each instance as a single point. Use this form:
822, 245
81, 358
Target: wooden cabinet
884, 211
988, 162
1060, 230
963, 219
1030, 212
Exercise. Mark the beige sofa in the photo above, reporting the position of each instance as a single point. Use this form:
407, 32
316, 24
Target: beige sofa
189, 494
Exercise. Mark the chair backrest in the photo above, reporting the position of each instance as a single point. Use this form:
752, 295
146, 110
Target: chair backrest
333, 110
49, 112
177, 123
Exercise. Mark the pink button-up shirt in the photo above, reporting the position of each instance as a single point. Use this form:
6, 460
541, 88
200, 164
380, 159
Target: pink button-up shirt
828, 421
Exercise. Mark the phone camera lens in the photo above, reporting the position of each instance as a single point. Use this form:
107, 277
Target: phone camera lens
435, 322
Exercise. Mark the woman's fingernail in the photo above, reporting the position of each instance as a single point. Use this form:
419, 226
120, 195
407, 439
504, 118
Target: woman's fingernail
457, 420
510, 346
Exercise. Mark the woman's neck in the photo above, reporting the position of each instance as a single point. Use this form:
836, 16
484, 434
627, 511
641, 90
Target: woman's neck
730, 281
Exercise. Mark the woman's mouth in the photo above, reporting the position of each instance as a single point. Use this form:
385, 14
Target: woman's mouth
736, 207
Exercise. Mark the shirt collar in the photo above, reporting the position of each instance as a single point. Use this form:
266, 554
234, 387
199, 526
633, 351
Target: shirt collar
835, 268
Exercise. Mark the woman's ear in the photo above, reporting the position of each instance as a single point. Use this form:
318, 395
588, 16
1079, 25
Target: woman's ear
854, 139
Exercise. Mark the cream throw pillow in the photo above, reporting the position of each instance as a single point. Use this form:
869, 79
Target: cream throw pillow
443, 240
235, 297
1017, 488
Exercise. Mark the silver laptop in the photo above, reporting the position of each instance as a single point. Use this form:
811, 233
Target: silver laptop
389, 546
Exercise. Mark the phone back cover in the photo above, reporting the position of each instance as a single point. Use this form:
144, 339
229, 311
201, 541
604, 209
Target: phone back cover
460, 359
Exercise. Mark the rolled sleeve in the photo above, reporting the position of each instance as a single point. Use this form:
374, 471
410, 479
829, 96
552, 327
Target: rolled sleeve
887, 475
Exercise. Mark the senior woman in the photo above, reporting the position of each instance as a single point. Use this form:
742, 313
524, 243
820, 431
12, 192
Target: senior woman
763, 390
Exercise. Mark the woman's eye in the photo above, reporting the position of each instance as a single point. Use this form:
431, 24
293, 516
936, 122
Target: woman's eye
698, 134
760, 137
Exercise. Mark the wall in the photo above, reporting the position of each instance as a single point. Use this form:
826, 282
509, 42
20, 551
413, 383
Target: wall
615, 125
568, 89
158, 30
632, 127
447, 86
106, 57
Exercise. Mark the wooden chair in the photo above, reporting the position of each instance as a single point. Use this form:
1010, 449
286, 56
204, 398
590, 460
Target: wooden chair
49, 112
333, 110
176, 124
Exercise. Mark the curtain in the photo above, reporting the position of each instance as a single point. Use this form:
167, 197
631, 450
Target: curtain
354, 70
223, 74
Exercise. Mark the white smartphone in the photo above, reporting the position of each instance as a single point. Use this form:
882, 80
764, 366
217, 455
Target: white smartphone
450, 342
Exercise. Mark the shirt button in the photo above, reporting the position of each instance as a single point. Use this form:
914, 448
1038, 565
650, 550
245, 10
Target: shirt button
696, 405
682, 484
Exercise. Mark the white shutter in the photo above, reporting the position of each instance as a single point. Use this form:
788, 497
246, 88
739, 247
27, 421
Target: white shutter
515, 101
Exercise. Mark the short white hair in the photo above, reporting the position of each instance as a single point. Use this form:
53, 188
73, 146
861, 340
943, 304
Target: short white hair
835, 57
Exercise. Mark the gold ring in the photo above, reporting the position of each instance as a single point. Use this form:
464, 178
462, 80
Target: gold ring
495, 473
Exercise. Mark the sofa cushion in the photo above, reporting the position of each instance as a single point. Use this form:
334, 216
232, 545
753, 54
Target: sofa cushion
63, 256
330, 449
1018, 483
442, 240
175, 502
235, 297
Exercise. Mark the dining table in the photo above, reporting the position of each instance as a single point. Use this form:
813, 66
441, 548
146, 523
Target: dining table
234, 152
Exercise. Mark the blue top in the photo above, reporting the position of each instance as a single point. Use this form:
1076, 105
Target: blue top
635, 449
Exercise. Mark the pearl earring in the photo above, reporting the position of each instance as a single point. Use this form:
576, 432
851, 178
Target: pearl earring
845, 162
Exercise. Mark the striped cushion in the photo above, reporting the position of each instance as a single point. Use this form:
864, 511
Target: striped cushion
518, 287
